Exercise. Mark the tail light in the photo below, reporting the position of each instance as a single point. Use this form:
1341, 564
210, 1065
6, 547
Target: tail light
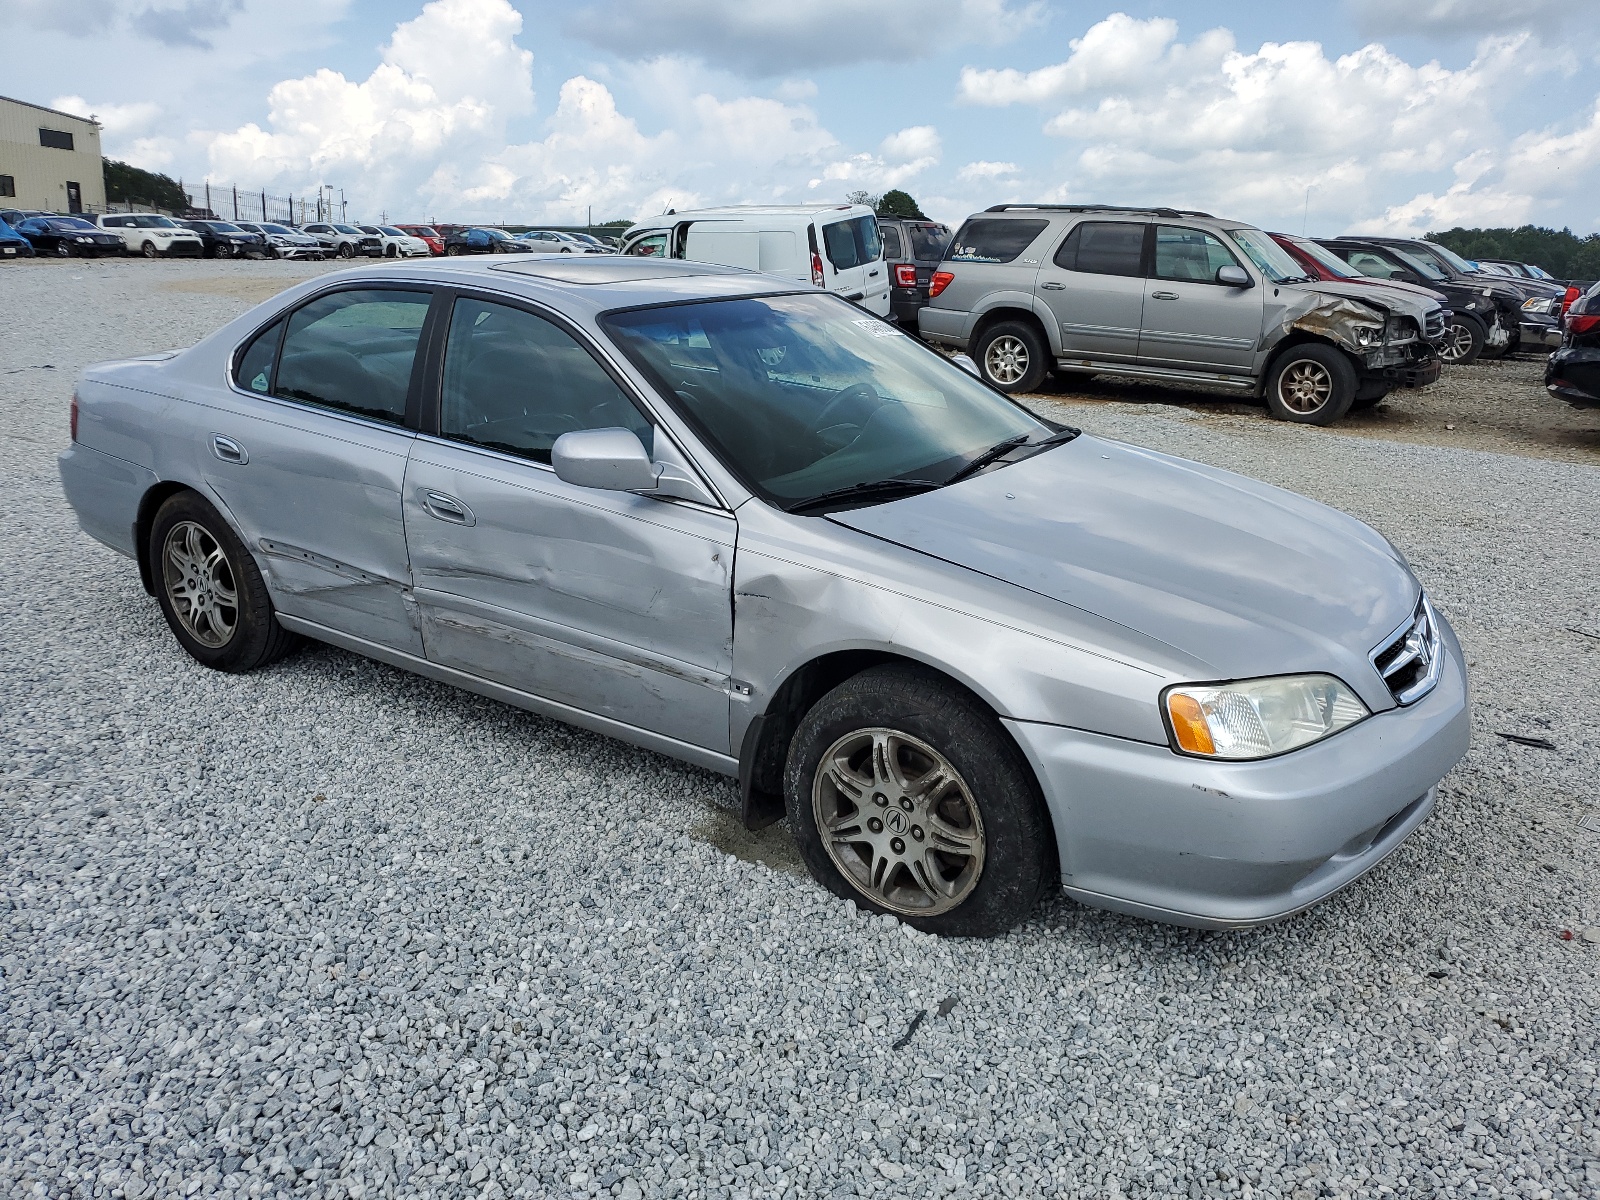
905, 275
941, 280
816, 269
72, 419
1583, 323
1572, 294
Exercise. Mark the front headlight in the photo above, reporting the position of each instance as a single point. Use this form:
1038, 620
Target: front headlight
1257, 718
1368, 335
85, 239
1538, 304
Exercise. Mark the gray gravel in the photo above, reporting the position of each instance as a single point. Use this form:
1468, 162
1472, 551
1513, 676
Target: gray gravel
332, 930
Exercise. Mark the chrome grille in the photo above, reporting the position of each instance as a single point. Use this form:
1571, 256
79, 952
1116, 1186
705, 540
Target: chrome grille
1433, 328
1409, 658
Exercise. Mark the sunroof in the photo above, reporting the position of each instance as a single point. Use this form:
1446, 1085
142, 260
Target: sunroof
609, 269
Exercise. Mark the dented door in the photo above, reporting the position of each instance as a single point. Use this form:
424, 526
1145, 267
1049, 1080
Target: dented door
606, 601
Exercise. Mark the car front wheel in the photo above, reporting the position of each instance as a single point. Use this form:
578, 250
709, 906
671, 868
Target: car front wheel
906, 796
63, 250
148, 250
210, 590
1011, 356
1463, 342
1312, 384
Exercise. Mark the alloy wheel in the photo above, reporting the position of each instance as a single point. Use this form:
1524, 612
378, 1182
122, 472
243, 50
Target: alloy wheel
1306, 386
1457, 342
898, 821
148, 250
200, 584
1006, 360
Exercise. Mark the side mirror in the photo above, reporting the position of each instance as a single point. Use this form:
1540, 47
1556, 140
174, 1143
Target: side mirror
611, 460
1233, 276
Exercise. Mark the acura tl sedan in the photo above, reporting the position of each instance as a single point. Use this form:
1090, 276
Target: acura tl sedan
970, 654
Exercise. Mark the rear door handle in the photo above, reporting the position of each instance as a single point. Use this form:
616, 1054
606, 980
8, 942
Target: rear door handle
447, 508
228, 450
1053, 287
1163, 295
872, 274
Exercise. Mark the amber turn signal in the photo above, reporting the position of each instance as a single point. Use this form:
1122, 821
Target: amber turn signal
1189, 724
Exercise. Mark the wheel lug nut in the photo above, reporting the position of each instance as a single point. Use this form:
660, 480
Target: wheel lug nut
880, 799
905, 803
916, 832
898, 846
875, 825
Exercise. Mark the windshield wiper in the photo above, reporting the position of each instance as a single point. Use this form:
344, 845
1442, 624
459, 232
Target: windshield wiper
1001, 449
874, 489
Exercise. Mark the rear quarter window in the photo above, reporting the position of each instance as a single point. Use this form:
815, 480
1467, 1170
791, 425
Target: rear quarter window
987, 240
891, 242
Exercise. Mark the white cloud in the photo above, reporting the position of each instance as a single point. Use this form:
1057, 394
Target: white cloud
983, 169
116, 120
763, 38
917, 142
1206, 124
901, 157
1466, 19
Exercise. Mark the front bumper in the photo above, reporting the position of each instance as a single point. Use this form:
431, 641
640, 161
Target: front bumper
1541, 333
299, 252
1216, 845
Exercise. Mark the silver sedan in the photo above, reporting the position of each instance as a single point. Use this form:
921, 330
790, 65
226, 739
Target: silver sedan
969, 653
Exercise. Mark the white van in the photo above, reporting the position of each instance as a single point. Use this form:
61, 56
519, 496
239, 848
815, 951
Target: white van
834, 246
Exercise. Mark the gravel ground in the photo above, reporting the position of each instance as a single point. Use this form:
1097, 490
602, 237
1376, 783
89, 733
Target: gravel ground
333, 930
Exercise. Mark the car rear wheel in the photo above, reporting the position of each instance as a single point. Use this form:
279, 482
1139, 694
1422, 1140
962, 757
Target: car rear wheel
1011, 356
210, 590
1312, 384
148, 250
906, 796
1463, 342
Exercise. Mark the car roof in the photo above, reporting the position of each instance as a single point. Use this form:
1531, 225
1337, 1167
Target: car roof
1143, 211
585, 284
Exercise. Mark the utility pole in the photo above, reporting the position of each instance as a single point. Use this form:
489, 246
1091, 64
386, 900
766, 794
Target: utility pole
236, 202
343, 214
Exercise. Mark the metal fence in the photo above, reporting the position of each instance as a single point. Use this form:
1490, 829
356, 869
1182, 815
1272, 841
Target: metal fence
231, 203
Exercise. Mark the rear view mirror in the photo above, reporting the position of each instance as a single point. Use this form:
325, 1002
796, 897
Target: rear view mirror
1234, 276
611, 460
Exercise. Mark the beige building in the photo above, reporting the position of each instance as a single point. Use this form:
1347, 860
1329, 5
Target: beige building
49, 160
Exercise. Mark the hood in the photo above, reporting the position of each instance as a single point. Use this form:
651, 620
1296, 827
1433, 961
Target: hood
1413, 302
1243, 577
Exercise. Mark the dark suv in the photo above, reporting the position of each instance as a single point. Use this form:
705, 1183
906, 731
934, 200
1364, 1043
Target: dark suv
1487, 311
223, 239
911, 250
1175, 297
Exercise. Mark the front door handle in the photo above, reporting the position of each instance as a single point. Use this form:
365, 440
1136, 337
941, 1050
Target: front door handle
1049, 286
447, 508
228, 450
1163, 295
872, 274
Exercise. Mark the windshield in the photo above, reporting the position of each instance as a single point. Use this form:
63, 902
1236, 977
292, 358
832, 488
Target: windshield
70, 223
1424, 266
426, 231
1326, 258
1537, 272
348, 229
222, 227
806, 394
1448, 256
1271, 259
499, 235
274, 229
389, 231
145, 221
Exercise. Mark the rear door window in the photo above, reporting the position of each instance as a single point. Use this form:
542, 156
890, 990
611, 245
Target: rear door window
516, 382
891, 242
988, 240
353, 351
1189, 255
1103, 248
852, 243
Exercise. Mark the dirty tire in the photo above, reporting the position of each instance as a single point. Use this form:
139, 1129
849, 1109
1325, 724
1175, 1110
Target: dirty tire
1018, 854
256, 638
1463, 342
149, 250
1311, 384
1012, 356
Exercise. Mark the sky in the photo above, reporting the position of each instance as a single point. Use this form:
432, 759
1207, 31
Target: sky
1346, 115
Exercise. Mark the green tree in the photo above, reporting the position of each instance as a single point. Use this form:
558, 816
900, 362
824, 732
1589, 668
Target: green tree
1560, 251
895, 203
130, 185
861, 196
